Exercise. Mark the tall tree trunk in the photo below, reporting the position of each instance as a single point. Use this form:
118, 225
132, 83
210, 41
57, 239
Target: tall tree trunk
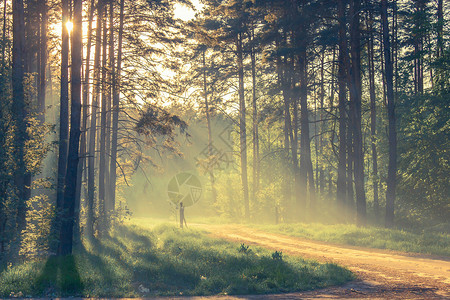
440, 42
242, 125
356, 99
5, 5
392, 138
63, 108
395, 44
83, 141
93, 127
287, 121
350, 199
208, 122
305, 147
255, 123
320, 178
111, 63
288, 131
18, 111
341, 176
418, 48
115, 110
42, 61
4, 239
299, 183
332, 126
440, 28
103, 117
75, 119
32, 61
373, 118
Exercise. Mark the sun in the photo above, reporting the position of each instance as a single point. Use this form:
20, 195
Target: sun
69, 26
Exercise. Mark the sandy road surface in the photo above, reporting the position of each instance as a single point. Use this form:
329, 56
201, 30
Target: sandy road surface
381, 274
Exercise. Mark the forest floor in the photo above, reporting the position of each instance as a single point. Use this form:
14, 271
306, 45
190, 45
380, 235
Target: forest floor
163, 260
380, 274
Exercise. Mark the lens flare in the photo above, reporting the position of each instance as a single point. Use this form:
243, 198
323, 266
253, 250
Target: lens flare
69, 26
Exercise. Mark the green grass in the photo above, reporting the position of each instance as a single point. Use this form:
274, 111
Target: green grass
136, 261
426, 242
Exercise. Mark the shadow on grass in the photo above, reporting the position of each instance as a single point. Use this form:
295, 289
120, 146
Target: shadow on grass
132, 262
60, 276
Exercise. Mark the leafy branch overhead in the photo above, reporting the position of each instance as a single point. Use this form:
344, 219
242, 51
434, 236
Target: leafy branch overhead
156, 121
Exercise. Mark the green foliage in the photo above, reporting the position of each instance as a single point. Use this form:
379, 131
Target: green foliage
35, 150
277, 255
37, 237
229, 196
244, 249
424, 162
137, 262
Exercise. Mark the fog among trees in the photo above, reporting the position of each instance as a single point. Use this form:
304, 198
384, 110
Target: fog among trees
286, 111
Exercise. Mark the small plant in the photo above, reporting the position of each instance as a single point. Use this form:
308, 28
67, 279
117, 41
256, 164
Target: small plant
277, 255
244, 249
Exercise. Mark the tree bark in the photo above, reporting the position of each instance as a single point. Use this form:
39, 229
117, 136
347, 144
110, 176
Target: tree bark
242, 125
392, 138
320, 178
63, 108
356, 111
42, 61
305, 147
373, 118
341, 189
418, 49
440, 28
19, 111
255, 123
299, 183
208, 122
75, 119
93, 127
103, 118
111, 63
115, 109
4, 35
287, 121
83, 141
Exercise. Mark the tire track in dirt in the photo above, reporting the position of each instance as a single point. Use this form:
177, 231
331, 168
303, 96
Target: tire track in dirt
380, 274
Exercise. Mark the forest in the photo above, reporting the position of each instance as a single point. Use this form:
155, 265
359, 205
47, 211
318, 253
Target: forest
284, 112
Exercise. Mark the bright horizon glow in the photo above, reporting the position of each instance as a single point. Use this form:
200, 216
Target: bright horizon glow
69, 26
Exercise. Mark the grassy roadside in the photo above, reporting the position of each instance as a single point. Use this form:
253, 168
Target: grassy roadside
164, 260
373, 237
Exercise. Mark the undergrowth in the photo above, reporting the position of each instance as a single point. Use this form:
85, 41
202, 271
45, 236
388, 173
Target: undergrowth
136, 261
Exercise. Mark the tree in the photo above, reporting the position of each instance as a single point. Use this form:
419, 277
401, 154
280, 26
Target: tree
392, 133
242, 122
355, 95
373, 114
342, 83
255, 125
63, 108
19, 110
85, 106
306, 168
42, 60
115, 108
103, 171
93, 127
66, 236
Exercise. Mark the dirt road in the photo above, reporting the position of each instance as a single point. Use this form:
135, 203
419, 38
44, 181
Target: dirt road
381, 274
